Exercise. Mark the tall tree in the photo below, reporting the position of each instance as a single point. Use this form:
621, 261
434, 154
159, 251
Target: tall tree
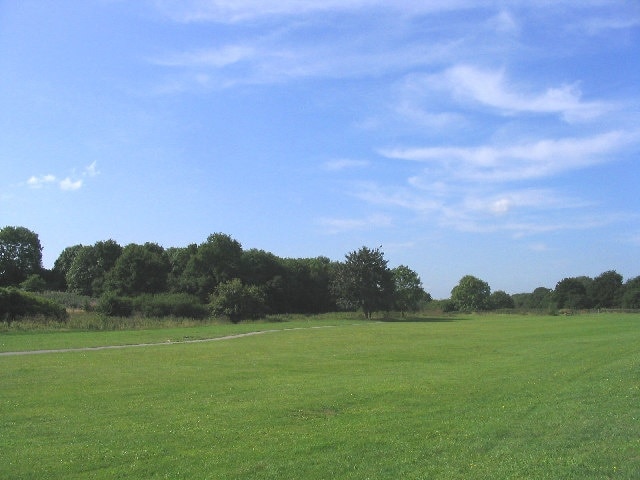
90, 264
471, 294
139, 269
408, 291
364, 281
20, 255
572, 293
606, 289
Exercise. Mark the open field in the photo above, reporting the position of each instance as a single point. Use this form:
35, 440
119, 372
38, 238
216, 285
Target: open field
459, 397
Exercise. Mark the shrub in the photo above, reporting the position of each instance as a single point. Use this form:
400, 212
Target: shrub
170, 304
15, 304
237, 301
113, 305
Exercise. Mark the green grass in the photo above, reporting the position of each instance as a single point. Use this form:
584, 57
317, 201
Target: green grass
473, 397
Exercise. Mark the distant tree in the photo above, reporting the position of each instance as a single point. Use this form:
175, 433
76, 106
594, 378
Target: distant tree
20, 255
217, 260
237, 301
501, 300
364, 281
179, 259
572, 293
631, 296
90, 264
62, 266
607, 290
408, 291
471, 294
139, 269
541, 298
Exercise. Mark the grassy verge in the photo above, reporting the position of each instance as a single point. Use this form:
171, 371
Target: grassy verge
480, 397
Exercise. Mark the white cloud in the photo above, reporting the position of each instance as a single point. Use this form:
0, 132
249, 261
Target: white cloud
344, 163
492, 89
69, 185
340, 225
39, 182
92, 170
248, 10
520, 161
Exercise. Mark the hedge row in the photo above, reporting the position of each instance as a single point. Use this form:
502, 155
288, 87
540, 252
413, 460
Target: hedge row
161, 305
15, 304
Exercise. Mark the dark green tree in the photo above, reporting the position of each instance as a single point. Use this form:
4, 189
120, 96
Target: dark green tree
20, 255
607, 290
363, 281
408, 291
471, 294
139, 269
572, 293
631, 296
501, 300
217, 260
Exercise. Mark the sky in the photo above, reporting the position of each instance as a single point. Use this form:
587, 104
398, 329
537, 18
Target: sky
499, 139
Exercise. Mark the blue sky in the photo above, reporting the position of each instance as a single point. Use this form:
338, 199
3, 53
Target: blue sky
492, 138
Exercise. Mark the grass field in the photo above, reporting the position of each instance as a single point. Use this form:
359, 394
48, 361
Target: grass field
492, 397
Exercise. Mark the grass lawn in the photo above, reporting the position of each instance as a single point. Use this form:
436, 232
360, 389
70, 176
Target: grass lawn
477, 397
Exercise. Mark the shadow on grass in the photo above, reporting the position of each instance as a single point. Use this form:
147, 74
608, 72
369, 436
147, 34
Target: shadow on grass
421, 319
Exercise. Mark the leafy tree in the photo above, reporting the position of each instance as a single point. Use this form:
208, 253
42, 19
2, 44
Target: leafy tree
179, 259
217, 260
572, 293
606, 289
89, 266
500, 300
139, 269
364, 281
408, 289
237, 301
20, 255
471, 294
631, 296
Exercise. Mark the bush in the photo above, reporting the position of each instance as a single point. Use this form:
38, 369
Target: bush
170, 304
15, 304
112, 305
34, 283
237, 301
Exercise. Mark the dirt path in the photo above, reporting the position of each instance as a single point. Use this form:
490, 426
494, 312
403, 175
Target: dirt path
168, 342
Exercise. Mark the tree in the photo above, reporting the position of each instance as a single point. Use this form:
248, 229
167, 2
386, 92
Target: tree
139, 269
572, 293
471, 294
90, 264
364, 281
606, 290
237, 301
217, 260
631, 297
500, 300
20, 255
408, 289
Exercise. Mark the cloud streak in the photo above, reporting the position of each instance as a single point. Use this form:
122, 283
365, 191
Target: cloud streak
519, 161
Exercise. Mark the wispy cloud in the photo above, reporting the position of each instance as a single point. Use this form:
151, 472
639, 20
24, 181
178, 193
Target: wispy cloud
341, 225
520, 161
492, 88
69, 185
344, 164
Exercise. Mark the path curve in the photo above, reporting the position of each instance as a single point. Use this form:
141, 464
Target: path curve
168, 342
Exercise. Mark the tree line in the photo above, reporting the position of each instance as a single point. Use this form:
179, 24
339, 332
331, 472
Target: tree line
218, 277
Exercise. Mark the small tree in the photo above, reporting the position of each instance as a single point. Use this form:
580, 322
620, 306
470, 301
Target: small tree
237, 301
500, 300
20, 255
364, 281
471, 294
408, 291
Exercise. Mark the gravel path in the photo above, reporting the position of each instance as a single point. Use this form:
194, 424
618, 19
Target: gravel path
168, 342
